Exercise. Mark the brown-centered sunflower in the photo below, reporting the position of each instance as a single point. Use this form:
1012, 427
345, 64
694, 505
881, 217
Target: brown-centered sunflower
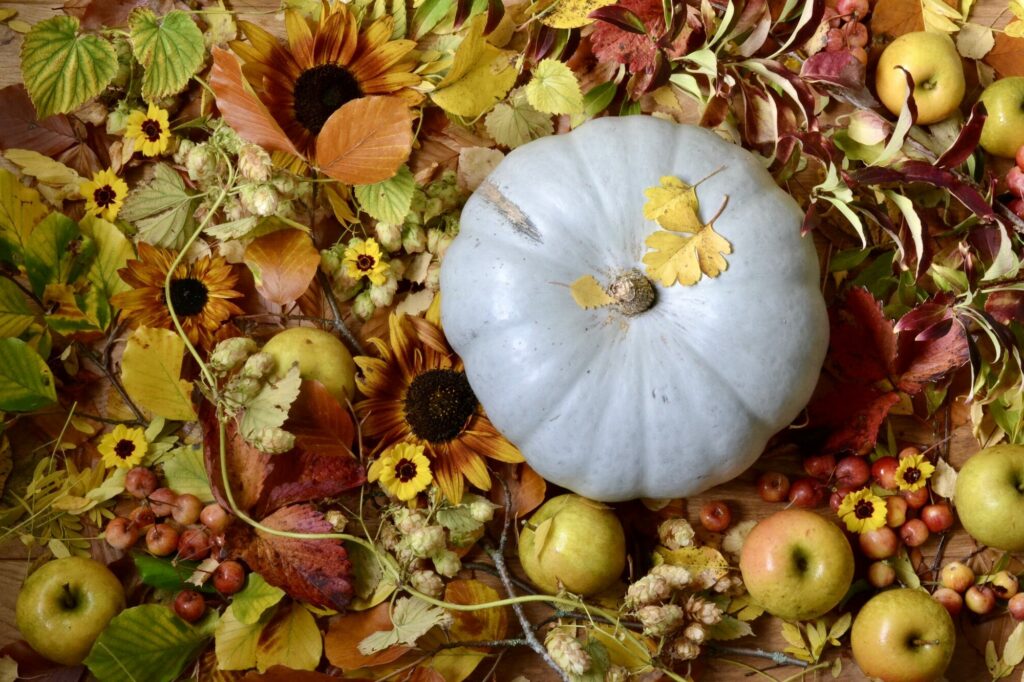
417, 392
324, 65
200, 293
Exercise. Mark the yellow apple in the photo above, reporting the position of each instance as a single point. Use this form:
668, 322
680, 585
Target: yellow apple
934, 63
1003, 133
320, 356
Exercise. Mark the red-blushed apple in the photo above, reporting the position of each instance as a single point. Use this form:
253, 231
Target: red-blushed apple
934, 63
320, 356
990, 497
65, 604
880, 543
1004, 584
957, 576
1003, 132
881, 574
1016, 606
903, 635
980, 598
796, 564
573, 542
950, 600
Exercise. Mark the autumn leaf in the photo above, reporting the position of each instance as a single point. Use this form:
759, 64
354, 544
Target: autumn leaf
283, 263
20, 129
573, 13
21, 208
673, 205
554, 89
151, 373
705, 564
291, 638
411, 618
588, 293
480, 75
341, 643
684, 258
366, 140
1015, 29
455, 665
1007, 57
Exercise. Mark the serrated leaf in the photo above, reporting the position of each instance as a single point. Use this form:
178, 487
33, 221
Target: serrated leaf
57, 252
553, 89
151, 373
185, 472
62, 69
250, 604
371, 585
21, 209
729, 628
673, 205
147, 642
573, 13
458, 518
290, 639
683, 258
588, 293
170, 48
943, 481
411, 619
514, 123
162, 210
26, 383
235, 642
15, 314
388, 201
269, 407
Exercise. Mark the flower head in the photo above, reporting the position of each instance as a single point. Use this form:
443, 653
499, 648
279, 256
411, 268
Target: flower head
862, 511
150, 130
363, 259
403, 471
104, 194
913, 473
123, 447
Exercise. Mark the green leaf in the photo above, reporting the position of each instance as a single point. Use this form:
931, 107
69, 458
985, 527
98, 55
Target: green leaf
151, 373
514, 123
291, 639
729, 628
388, 201
258, 596
63, 69
599, 662
57, 252
597, 100
269, 408
430, 14
236, 642
186, 473
15, 315
554, 89
169, 47
26, 383
371, 585
162, 211
21, 208
411, 618
113, 250
905, 570
166, 574
149, 643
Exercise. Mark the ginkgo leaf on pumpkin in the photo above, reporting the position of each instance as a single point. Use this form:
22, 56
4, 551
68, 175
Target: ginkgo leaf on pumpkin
673, 205
366, 140
554, 89
588, 293
151, 373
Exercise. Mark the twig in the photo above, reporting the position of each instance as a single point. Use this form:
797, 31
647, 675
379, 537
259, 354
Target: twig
116, 383
485, 643
25, 290
337, 323
776, 657
490, 570
498, 557
575, 615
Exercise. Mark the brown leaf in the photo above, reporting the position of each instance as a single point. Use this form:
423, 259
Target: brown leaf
315, 571
528, 492
421, 674
279, 673
1006, 306
96, 14
283, 263
892, 18
927, 361
1007, 57
366, 140
320, 424
19, 128
242, 109
341, 643
485, 624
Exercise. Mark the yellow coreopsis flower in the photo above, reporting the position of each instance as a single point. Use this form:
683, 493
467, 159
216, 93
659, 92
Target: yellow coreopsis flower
150, 130
363, 259
913, 473
403, 471
123, 447
862, 511
104, 194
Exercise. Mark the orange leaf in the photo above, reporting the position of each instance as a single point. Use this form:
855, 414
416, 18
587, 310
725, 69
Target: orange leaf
279, 673
485, 624
242, 109
366, 140
892, 18
283, 264
341, 643
524, 484
1007, 57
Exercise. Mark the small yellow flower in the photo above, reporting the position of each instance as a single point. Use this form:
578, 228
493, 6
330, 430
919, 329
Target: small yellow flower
123, 447
913, 473
363, 259
403, 471
104, 194
862, 511
151, 130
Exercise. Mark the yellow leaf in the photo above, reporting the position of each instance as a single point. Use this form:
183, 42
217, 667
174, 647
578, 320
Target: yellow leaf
457, 664
20, 209
707, 565
1015, 29
481, 75
553, 89
673, 205
1017, 7
588, 293
151, 373
43, 168
683, 258
631, 652
791, 633
573, 13
291, 639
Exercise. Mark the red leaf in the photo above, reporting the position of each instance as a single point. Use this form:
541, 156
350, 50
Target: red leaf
863, 343
964, 144
97, 14
242, 109
927, 361
1006, 306
283, 264
853, 413
366, 140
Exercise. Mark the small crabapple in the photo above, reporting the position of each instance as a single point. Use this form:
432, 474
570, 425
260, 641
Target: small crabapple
881, 543
881, 574
895, 511
161, 539
214, 517
1004, 584
773, 486
980, 599
715, 516
189, 605
938, 517
186, 509
121, 533
140, 482
884, 472
914, 533
162, 500
956, 575
229, 577
950, 599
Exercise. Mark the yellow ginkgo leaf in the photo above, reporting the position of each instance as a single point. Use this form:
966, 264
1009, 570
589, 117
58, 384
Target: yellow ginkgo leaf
684, 257
673, 205
589, 294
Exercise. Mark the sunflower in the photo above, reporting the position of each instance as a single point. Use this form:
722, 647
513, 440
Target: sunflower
151, 130
104, 194
403, 471
417, 392
363, 259
123, 447
324, 65
913, 473
200, 293
862, 511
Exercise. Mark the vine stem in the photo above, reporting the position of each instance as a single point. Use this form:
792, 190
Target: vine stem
115, 382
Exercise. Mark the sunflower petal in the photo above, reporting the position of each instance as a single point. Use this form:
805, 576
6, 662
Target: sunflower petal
449, 479
300, 38
376, 62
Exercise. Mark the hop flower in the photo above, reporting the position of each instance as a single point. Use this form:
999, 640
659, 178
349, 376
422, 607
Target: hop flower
676, 533
567, 652
684, 650
730, 584
363, 305
426, 541
181, 153
389, 536
482, 510
414, 239
240, 390
696, 633
677, 577
616, 673
260, 200
272, 440
438, 241
201, 163
337, 520
227, 139
383, 294
427, 582
650, 589
703, 611
230, 353
447, 563
259, 365
408, 520
389, 236
254, 163
659, 621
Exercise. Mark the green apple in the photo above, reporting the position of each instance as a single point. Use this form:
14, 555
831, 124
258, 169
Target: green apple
903, 635
934, 63
65, 604
320, 356
1003, 133
990, 497
796, 564
573, 542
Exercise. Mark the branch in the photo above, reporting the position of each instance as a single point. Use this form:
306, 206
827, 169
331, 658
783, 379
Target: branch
116, 383
337, 323
490, 570
776, 657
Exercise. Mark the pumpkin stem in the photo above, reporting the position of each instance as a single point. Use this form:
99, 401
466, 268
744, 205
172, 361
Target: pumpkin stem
632, 292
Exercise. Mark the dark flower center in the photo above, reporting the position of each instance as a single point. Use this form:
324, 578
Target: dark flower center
320, 91
151, 129
124, 448
405, 470
188, 296
912, 475
864, 509
438, 404
104, 196
365, 263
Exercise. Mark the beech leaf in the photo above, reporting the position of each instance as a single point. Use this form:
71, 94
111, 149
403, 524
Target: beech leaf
235, 641
250, 604
169, 47
26, 383
1007, 56
366, 140
283, 263
15, 315
291, 638
151, 373
588, 293
21, 208
20, 128
410, 619
553, 89
480, 76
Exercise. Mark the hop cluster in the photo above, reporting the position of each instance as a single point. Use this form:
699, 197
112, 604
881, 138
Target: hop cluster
567, 652
421, 549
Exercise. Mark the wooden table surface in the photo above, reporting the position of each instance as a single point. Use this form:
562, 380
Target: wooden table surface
968, 665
